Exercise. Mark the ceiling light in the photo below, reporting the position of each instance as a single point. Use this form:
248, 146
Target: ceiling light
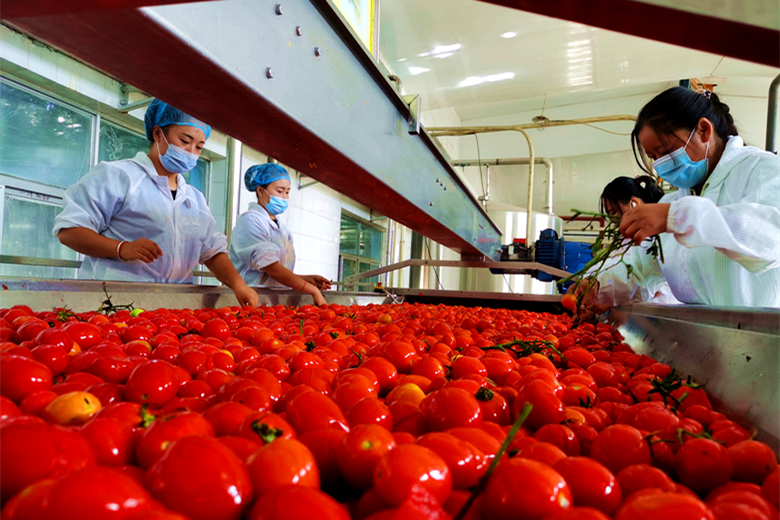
579, 43
441, 49
424, 54
509, 35
492, 78
442, 56
417, 70
402, 60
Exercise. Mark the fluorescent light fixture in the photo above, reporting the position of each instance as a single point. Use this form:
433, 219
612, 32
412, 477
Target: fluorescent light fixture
576, 53
492, 78
417, 70
424, 54
441, 49
509, 35
579, 43
442, 56
402, 60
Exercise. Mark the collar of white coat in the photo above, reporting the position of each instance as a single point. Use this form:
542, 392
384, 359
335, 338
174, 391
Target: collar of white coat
734, 152
182, 192
254, 206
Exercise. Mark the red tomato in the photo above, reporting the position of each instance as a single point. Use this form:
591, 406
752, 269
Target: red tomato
27, 503
547, 407
752, 461
112, 440
359, 452
620, 445
297, 503
280, 463
466, 462
152, 382
653, 506
112, 494
703, 465
385, 372
226, 418
85, 334
410, 465
770, 490
216, 328
591, 483
33, 450
324, 445
524, 489
451, 408
370, 411
311, 410
569, 302
643, 476
241, 446
202, 479
543, 452
748, 499
165, 430
9, 409
494, 406
20, 376
561, 436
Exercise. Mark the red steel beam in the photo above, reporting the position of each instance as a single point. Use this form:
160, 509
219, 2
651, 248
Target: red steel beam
32, 8
684, 28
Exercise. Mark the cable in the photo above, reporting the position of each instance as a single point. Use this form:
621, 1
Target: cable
507, 284
605, 130
435, 271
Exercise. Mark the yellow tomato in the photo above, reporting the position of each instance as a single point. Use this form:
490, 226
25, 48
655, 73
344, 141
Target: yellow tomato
73, 408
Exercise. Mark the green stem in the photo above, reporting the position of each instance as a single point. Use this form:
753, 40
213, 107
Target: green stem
482, 484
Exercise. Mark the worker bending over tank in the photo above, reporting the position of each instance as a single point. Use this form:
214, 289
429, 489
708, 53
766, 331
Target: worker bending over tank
261, 246
721, 230
137, 220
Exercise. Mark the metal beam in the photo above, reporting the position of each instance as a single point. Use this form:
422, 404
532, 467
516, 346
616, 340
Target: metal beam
316, 102
30, 8
721, 36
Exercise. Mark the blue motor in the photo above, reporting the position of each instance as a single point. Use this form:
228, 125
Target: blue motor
549, 250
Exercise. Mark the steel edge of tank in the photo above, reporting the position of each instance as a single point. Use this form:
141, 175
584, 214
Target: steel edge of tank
734, 352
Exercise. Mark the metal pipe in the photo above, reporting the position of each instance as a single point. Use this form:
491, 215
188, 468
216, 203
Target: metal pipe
528, 239
771, 115
516, 161
233, 153
438, 131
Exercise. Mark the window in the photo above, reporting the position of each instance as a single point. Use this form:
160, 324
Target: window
42, 139
360, 250
28, 219
116, 143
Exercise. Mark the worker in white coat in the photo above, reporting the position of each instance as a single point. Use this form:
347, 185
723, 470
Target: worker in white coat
261, 246
725, 217
138, 220
645, 282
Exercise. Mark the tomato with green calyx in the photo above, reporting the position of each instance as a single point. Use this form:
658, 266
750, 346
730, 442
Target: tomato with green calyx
163, 431
280, 463
359, 452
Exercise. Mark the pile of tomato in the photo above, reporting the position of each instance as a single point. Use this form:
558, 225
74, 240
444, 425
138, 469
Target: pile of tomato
364, 412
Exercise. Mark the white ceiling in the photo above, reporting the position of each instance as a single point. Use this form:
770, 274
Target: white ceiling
453, 53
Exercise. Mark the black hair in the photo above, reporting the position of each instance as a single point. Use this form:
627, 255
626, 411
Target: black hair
681, 108
623, 189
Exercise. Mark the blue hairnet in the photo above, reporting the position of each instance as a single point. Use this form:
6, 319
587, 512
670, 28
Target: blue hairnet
162, 114
263, 175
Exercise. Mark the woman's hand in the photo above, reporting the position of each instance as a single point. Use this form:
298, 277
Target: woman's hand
319, 299
644, 221
587, 294
322, 283
246, 295
142, 249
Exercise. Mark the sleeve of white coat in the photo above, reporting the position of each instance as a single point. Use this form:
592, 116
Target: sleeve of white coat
92, 201
747, 232
253, 245
617, 287
214, 243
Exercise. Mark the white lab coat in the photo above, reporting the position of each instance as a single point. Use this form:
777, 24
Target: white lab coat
723, 247
258, 241
128, 200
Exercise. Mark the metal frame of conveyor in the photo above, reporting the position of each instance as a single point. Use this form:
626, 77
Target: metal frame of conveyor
290, 79
734, 352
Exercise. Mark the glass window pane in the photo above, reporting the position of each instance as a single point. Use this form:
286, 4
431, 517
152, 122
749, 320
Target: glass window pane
41, 139
363, 267
198, 177
370, 243
27, 226
349, 236
117, 143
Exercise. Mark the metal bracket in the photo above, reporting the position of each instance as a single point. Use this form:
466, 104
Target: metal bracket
415, 105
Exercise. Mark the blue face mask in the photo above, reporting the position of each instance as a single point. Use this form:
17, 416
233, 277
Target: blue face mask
277, 206
176, 159
678, 169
